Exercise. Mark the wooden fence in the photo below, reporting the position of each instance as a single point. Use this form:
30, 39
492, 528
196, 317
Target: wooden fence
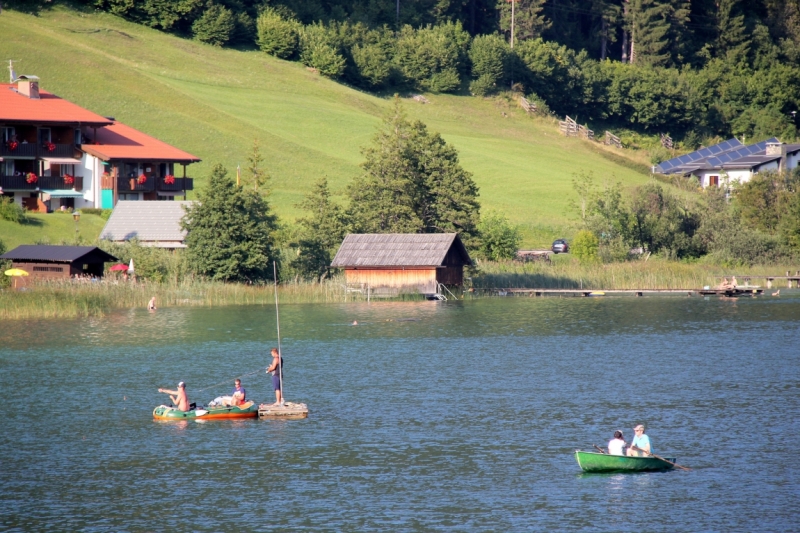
528, 106
666, 141
612, 140
570, 128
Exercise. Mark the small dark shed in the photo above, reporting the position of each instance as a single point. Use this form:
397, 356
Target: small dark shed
58, 262
403, 260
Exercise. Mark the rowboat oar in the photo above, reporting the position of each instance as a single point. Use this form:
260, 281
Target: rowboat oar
599, 448
660, 458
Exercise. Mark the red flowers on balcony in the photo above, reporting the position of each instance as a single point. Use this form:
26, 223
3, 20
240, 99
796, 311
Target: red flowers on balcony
69, 180
50, 146
12, 145
169, 179
142, 179
31, 177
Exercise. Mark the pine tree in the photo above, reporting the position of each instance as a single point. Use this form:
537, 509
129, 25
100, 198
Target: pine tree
733, 40
413, 183
529, 19
230, 232
649, 31
322, 232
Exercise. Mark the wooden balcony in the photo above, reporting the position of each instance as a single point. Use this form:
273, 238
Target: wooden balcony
133, 185
20, 183
180, 184
33, 151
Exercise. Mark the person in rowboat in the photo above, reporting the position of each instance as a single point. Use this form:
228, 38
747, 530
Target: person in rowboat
180, 399
275, 369
616, 446
239, 395
640, 441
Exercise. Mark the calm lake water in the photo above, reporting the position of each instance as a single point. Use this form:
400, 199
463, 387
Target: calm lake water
456, 416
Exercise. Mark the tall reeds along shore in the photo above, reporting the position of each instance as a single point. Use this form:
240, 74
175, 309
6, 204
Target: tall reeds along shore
653, 274
69, 299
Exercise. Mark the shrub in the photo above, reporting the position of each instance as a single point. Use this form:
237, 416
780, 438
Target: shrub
319, 50
488, 55
278, 35
102, 213
499, 239
585, 246
11, 211
373, 63
244, 31
430, 58
215, 26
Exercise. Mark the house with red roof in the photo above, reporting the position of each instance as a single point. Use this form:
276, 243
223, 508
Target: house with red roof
57, 155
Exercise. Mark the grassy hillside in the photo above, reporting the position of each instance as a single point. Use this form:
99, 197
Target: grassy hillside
55, 228
213, 102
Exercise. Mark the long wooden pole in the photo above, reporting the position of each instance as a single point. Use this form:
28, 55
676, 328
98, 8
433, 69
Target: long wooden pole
660, 458
278, 323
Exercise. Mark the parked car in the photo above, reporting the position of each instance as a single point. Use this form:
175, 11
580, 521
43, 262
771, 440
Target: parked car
560, 246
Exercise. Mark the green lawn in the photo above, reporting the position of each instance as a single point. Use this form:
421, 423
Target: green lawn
53, 228
213, 102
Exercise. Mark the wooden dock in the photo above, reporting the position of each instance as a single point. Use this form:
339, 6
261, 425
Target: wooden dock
287, 411
791, 281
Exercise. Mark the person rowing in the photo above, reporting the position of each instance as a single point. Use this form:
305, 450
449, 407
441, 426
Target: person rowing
180, 399
640, 441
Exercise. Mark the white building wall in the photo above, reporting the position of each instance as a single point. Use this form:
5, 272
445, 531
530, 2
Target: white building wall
91, 183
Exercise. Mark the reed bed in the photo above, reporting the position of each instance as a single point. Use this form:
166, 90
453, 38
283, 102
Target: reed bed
648, 275
69, 299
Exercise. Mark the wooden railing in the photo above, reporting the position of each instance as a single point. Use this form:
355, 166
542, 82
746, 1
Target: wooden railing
527, 105
20, 183
133, 185
180, 184
36, 150
612, 140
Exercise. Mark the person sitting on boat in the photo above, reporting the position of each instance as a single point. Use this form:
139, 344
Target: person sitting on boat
640, 441
239, 395
276, 369
180, 399
616, 446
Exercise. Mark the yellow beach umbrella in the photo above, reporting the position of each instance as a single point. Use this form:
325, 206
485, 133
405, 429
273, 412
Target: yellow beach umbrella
16, 272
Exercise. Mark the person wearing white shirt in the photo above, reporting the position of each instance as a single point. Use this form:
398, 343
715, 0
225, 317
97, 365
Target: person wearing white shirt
616, 445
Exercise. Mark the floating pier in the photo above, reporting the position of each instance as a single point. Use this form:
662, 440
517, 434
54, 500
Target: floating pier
730, 292
287, 410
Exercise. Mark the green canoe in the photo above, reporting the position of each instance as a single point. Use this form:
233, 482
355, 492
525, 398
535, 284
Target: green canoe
601, 462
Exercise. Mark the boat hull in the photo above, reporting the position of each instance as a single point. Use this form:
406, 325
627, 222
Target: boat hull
601, 462
248, 410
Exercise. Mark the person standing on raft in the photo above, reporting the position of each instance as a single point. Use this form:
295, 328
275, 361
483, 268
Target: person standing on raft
180, 399
276, 369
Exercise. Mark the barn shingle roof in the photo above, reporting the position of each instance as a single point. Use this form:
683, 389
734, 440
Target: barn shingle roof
58, 254
398, 250
154, 223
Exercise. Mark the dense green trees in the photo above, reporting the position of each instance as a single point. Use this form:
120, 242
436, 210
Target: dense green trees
230, 232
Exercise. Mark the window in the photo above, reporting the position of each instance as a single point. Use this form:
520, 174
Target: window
128, 196
78, 139
8, 167
8, 134
48, 269
44, 135
713, 180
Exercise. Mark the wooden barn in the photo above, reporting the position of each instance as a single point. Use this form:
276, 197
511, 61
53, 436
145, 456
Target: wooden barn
403, 261
57, 262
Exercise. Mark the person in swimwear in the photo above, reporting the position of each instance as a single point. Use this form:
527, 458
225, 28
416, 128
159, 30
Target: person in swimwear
239, 395
275, 369
180, 399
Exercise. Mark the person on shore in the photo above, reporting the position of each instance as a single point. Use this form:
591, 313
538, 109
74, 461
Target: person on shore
239, 395
616, 446
180, 399
152, 305
640, 441
276, 369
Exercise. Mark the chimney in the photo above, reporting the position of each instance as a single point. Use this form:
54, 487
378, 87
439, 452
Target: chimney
28, 86
778, 148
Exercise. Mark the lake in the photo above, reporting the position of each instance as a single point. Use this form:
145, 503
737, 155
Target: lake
427, 416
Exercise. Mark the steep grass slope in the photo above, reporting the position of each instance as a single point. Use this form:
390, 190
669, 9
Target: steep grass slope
214, 102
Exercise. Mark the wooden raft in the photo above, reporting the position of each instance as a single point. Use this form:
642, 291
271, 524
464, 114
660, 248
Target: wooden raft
288, 410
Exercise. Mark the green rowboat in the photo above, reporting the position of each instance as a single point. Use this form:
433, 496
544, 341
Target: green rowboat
602, 462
